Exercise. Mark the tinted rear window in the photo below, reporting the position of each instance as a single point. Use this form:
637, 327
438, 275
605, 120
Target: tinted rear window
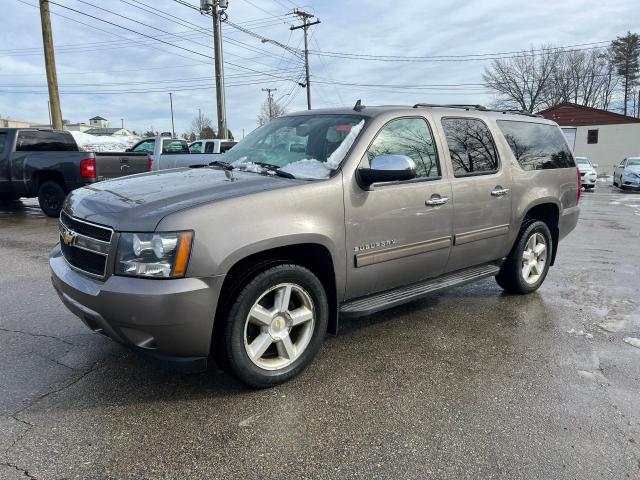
471, 146
537, 146
174, 147
224, 146
3, 141
45, 141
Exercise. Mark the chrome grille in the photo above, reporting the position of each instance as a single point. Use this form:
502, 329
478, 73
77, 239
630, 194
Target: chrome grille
84, 245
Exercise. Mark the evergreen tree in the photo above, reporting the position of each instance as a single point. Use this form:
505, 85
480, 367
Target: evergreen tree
626, 57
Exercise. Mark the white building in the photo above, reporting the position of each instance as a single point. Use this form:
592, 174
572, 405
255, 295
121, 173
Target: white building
606, 138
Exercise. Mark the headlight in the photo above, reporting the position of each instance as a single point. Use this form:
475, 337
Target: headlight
157, 255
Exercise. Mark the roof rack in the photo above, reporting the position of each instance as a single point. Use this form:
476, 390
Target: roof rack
480, 108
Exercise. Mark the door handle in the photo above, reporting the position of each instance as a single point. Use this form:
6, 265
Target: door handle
436, 200
500, 192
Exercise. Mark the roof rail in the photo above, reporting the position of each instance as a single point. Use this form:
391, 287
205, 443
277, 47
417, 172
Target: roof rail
461, 106
481, 108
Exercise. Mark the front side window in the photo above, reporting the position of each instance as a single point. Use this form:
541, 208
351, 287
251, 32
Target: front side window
471, 146
195, 147
145, 146
537, 146
410, 137
3, 141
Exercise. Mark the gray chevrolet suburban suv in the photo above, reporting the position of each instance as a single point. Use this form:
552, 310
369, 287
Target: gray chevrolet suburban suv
314, 217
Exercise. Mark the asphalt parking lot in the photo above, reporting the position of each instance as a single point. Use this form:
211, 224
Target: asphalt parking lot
470, 383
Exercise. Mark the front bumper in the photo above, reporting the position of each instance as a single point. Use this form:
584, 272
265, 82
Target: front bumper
165, 318
631, 182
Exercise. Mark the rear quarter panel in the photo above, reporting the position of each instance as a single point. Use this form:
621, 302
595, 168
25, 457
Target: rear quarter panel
535, 187
24, 166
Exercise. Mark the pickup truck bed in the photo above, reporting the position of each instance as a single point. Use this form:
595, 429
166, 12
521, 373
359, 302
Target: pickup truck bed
48, 164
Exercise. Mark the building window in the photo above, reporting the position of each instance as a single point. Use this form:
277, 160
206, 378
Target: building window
592, 136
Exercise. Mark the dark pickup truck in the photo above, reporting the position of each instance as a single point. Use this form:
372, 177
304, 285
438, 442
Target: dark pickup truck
48, 164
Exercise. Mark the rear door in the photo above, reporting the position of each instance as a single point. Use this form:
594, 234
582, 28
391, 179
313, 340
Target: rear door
481, 188
399, 232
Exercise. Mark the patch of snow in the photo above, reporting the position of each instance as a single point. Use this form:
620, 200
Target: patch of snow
635, 342
606, 179
308, 168
103, 143
339, 153
580, 333
243, 165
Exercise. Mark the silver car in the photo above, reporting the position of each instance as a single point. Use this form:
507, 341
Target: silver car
315, 217
627, 174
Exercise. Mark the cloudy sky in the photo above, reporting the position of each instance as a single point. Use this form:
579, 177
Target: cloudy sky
122, 73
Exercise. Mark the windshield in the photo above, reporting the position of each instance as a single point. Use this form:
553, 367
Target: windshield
635, 162
308, 147
582, 161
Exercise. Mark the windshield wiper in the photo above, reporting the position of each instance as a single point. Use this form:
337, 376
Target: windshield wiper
221, 164
275, 169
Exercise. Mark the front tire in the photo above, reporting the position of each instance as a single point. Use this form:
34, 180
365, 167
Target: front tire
527, 265
51, 195
275, 326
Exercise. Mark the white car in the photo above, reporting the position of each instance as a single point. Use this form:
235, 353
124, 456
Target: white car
627, 174
588, 172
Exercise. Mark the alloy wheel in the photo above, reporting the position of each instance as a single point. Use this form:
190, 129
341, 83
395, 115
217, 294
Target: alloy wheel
279, 326
534, 258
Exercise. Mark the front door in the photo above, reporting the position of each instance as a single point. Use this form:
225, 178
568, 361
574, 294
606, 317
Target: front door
481, 193
399, 232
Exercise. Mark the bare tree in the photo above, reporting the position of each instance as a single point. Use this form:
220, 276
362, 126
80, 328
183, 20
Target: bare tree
547, 76
520, 81
270, 109
201, 124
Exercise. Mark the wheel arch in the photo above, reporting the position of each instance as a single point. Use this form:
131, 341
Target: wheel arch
314, 256
549, 213
42, 176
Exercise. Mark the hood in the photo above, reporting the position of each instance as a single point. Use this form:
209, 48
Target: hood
633, 168
139, 202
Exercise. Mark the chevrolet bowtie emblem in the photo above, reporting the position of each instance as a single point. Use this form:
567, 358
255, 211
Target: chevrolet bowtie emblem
68, 237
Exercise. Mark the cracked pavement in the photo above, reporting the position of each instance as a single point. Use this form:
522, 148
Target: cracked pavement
470, 383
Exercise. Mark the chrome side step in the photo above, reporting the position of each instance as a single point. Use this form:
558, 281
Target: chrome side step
391, 298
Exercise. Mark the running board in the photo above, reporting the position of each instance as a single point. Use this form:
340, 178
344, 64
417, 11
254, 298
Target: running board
391, 298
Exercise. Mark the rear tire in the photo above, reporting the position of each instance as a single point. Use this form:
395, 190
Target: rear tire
266, 339
527, 265
51, 196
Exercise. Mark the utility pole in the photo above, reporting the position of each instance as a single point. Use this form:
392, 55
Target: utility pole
122, 123
217, 10
173, 129
270, 100
50, 64
305, 17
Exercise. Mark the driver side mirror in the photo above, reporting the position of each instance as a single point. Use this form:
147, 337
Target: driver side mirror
388, 168
128, 150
